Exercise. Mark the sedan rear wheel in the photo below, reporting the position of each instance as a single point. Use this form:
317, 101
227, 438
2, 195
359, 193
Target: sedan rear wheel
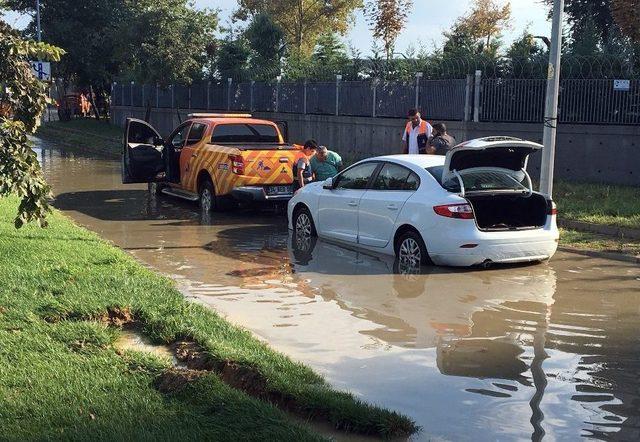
411, 250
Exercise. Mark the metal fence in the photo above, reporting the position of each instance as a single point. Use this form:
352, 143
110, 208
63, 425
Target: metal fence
582, 101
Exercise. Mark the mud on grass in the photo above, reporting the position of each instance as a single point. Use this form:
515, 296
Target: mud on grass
62, 376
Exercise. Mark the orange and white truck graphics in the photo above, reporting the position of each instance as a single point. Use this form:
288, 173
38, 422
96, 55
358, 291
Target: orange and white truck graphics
241, 157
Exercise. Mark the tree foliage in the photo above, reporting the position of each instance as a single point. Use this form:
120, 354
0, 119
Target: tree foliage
473, 33
232, 59
23, 99
266, 40
87, 30
302, 21
387, 18
165, 41
627, 15
150, 40
583, 15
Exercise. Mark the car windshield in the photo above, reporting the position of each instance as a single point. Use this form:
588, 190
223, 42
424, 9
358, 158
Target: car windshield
480, 180
244, 133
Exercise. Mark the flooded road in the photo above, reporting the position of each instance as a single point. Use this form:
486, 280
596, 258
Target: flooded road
514, 352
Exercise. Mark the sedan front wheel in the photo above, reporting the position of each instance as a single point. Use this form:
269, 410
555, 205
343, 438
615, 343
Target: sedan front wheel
303, 223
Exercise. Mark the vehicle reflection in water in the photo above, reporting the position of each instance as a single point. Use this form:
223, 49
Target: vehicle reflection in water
510, 352
501, 329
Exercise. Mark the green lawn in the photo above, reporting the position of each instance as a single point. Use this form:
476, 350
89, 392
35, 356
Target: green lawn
598, 203
61, 376
603, 243
84, 134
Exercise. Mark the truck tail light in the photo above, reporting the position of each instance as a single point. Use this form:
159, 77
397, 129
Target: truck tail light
459, 211
237, 164
552, 209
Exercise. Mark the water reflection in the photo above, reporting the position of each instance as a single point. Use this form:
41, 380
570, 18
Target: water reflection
507, 353
497, 326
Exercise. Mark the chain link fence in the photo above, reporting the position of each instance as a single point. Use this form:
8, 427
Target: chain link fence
582, 101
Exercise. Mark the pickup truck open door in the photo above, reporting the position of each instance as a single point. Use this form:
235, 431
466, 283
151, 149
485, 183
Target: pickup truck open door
143, 156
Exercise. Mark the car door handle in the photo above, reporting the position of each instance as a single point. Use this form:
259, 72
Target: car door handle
392, 207
353, 204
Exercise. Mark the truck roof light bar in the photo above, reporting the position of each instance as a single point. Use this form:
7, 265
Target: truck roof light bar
207, 115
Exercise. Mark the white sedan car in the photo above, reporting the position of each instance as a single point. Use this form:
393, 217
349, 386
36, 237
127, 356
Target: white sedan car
476, 206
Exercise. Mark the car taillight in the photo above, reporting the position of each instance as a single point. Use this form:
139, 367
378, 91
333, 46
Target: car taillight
237, 164
552, 209
460, 211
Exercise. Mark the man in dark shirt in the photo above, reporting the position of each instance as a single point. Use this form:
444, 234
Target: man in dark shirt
441, 142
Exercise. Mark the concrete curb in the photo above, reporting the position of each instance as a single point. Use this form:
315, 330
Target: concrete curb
600, 254
619, 232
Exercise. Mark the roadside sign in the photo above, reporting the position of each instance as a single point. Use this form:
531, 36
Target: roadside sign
41, 69
621, 85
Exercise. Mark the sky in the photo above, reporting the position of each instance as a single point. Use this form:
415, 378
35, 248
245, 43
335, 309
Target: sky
428, 20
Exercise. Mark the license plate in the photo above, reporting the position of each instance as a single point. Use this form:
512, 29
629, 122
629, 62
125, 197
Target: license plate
279, 190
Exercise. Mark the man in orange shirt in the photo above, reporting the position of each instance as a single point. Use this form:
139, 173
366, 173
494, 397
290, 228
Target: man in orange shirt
416, 134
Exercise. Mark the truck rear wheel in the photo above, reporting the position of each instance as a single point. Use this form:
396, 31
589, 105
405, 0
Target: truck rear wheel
207, 197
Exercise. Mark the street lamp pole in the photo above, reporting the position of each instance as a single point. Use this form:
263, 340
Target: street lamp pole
551, 106
38, 21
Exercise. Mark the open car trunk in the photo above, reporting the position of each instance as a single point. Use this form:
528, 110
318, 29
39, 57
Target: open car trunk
509, 211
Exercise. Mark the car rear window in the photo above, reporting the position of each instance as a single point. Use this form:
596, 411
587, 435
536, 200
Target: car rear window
478, 181
244, 133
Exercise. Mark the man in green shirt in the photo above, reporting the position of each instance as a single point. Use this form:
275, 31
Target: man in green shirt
325, 164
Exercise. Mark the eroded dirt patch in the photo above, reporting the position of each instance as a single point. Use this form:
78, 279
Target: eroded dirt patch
117, 316
174, 380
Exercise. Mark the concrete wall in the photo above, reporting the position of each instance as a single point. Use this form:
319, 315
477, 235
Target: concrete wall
607, 154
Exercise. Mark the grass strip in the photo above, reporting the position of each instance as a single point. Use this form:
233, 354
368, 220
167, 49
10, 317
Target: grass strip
84, 135
598, 203
596, 242
61, 375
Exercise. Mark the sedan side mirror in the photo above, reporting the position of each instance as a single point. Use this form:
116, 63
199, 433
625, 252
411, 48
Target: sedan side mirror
328, 184
158, 141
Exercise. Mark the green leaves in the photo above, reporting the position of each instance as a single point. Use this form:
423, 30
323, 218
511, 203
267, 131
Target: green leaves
23, 99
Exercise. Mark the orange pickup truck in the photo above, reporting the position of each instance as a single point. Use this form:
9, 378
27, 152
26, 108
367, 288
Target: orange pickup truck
216, 159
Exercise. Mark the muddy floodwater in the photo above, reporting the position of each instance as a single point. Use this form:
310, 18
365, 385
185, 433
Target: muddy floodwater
509, 353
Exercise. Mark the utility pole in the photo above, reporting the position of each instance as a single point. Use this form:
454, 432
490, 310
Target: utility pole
38, 21
551, 106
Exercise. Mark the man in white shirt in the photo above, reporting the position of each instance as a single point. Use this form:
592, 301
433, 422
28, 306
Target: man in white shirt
416, 135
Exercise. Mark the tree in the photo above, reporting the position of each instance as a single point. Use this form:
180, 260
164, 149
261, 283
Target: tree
627, 15
387, 18
265, 37
592, 14
266, 40
459, 42
143, 40
232, 59
165, 41
487, 19
528, 57
473, 33
302, 20
23, 99
88, 31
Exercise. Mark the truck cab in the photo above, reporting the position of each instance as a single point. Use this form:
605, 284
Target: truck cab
216, 159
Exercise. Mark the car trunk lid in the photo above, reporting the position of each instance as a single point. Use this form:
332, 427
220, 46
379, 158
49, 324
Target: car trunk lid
505, 154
